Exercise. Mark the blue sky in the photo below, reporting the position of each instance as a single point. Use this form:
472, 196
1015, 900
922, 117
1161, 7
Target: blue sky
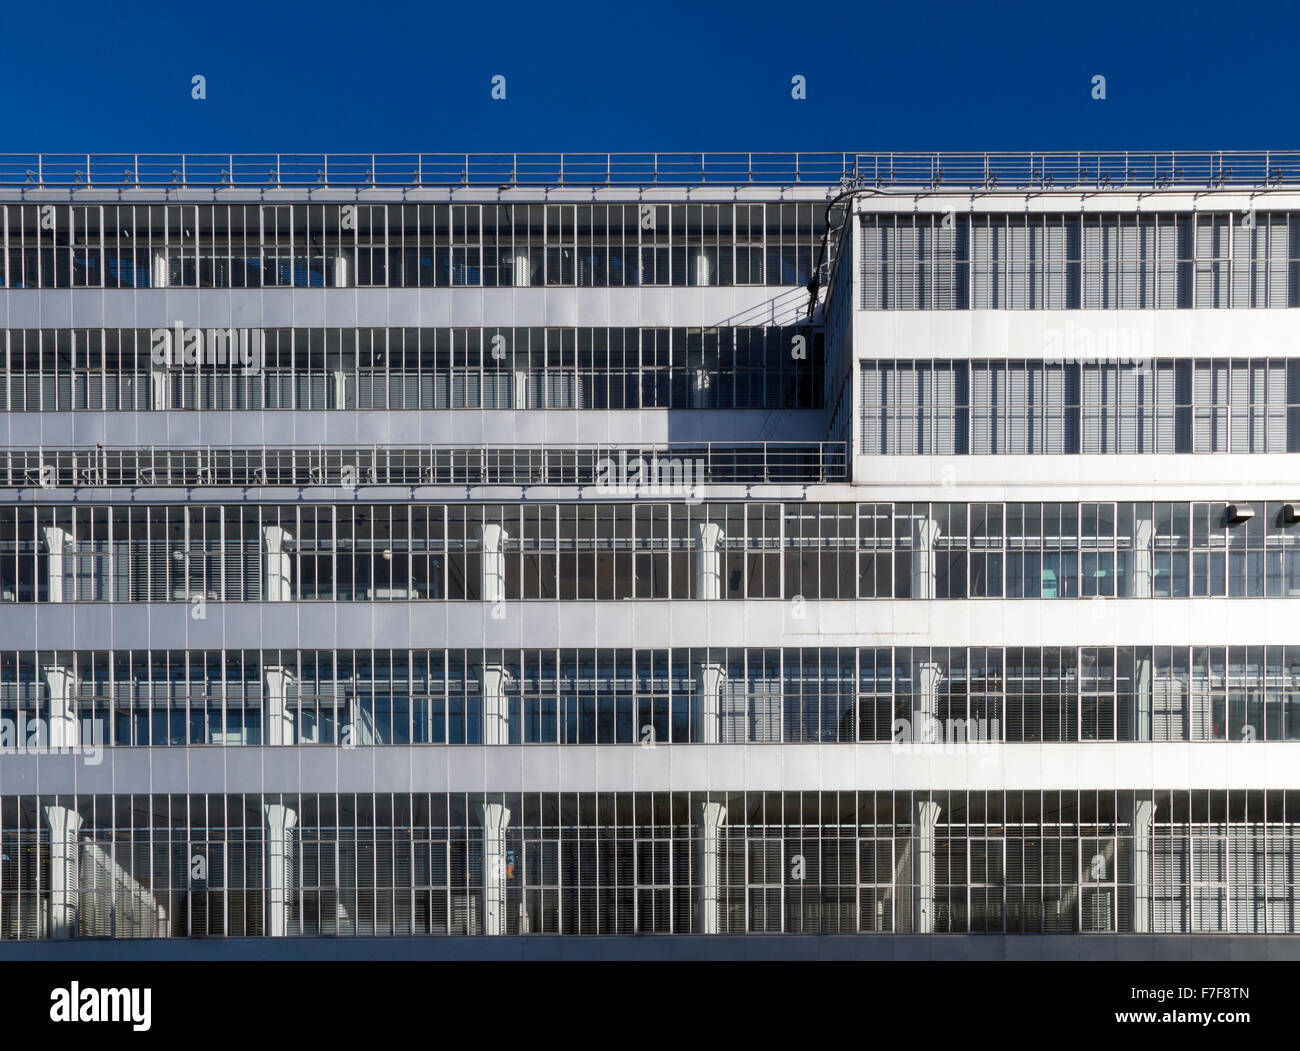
291, 76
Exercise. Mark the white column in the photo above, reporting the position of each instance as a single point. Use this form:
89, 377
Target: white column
1142, 694
925, 815
279, 582
1144, 812
701, 381
159, 275
64, 826
361, 724
158, 380
275, 706
341, 270
519, 376
710, 817
61, 684
925, 704
708, 560
925, 533
340, 380
703, 268
492, 582
522, 270
496, 714
61, 567
1143, 533
710, 677
494, 818
280, 821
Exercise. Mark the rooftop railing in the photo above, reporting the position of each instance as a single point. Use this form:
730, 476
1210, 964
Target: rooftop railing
998, 170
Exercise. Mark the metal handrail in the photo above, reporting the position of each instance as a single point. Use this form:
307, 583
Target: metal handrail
205, 465
987, 170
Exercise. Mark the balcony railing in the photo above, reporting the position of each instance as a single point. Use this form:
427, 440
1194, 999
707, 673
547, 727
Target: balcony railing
989, 171
669, 470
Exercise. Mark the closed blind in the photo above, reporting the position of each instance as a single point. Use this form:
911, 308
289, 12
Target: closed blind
1211, 271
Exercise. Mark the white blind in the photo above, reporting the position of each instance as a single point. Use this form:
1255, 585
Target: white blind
942, 417
905, 428
1169, 716
1051, 396
985, 251
1019, 403
871, 402
905, 255
986, 395
943, 291
1211, 246
1170, 875
1051, 275
871, 257
1246, 879
1209, 864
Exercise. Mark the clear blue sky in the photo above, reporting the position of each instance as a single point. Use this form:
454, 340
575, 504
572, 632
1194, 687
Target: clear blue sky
380, 76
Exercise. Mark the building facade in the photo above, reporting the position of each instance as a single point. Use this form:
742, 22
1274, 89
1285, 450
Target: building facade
505, 547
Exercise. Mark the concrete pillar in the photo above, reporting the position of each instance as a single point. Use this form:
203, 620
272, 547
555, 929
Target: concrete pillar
340, 380
708, 560
925, 533
280, 821
279, 577
159, 272
494, 819
1142, 579
1144, 812
64, 878
496, 713
926, 728
710, 817
492, 582
925, 816
710, 678
62, 684
62, 568
275, 707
